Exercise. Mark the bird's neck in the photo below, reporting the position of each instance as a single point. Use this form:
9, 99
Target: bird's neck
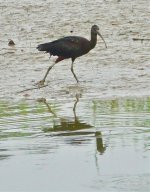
93, 40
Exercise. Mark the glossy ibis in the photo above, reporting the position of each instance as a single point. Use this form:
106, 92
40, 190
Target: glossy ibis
70, 47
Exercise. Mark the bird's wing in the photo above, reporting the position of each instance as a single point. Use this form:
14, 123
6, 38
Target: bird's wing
70, 46
67, 47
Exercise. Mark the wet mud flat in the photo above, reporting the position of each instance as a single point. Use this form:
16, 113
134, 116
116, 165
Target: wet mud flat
99, 128
120, 70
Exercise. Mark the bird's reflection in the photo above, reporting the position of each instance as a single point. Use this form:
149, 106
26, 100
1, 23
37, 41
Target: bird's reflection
67, 126
99, 143
74, 127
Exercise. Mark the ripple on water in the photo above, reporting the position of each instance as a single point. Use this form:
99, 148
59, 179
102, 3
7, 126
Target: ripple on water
52, 133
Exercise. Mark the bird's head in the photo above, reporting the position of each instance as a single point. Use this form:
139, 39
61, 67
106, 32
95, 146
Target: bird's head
95, 30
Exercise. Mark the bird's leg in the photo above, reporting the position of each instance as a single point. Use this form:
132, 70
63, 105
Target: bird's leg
41, 83
48, 71
74, 73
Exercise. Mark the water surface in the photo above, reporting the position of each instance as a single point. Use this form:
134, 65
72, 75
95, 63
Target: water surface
76, 145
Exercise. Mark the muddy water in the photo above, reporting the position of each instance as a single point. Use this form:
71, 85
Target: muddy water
89, 136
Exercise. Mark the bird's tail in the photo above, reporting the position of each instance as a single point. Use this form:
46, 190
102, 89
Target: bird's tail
44, 47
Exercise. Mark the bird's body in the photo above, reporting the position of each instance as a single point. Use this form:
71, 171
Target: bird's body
70, 47
67, 47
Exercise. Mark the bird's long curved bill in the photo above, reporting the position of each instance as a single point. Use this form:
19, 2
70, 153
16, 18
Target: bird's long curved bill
102, 38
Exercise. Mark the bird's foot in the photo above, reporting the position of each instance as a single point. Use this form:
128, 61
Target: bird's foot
78, 82
40, 84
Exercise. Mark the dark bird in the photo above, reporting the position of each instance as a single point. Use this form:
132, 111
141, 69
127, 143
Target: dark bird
70, 47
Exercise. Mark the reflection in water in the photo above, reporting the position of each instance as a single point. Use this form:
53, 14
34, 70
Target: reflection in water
43, 100
74, 127
48, 141
66, 125
99, 142
100, 148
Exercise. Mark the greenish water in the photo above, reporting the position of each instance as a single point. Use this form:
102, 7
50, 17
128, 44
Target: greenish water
75, 145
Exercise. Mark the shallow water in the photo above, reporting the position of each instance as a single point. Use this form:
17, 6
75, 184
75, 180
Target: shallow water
91, 136
76, 145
